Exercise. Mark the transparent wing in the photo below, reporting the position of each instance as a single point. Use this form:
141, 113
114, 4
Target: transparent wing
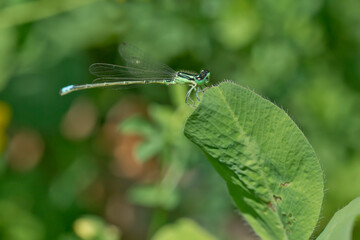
138, 68
111, 72
137, 59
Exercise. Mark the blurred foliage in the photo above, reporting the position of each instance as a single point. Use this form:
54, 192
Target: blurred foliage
63, 157
182, 229
94, 228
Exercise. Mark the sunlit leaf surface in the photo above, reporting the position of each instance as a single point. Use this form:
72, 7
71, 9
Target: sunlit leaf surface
271, 171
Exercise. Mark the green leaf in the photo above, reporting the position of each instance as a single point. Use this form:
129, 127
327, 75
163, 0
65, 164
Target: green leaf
342, 224
137, 125
154, 196
182, 229
149, 148
153, 142
271, 170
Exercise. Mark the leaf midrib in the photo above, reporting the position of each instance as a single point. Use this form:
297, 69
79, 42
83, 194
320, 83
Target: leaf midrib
237, 122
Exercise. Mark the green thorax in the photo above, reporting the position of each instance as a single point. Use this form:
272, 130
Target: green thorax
196, 79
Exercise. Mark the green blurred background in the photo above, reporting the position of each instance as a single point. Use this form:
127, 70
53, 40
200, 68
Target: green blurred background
105, 164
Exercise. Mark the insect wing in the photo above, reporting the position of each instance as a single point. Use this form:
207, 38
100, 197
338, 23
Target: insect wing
137, 59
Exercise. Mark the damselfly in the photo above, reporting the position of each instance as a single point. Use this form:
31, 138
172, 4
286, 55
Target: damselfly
140, 70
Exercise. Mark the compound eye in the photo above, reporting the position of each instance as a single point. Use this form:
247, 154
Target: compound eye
204, 73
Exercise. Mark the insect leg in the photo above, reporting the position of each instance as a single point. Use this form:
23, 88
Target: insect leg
188, 95
204, 89
197, 93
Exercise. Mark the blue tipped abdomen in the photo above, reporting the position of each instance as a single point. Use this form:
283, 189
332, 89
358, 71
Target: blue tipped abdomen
66, 90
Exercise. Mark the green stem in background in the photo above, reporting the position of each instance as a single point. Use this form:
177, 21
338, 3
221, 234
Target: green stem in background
36, 10
173, 174
159, 218
177, 167
174, 171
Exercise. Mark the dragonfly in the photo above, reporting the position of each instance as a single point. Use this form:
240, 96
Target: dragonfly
141, 70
